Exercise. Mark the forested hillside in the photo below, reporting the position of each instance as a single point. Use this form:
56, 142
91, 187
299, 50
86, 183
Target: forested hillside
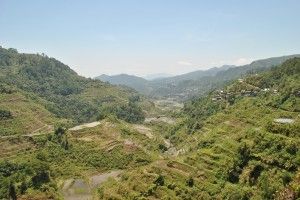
36, 81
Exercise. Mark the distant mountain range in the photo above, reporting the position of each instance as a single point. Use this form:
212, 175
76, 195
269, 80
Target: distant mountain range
182, 87
139, 84
157, 76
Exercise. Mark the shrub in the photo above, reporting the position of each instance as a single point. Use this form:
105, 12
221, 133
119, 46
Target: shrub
162, 147
190, 182
131, 113
160, 181
5, 114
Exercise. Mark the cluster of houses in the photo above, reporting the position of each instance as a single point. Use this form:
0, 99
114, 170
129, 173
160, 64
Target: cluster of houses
220, 94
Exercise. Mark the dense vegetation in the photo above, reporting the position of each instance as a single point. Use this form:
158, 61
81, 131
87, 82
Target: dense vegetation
38, 164
48, 83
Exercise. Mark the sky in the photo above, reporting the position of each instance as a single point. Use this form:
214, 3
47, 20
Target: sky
143, 37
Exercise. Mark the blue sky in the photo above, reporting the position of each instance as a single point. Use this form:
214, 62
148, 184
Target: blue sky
154, 36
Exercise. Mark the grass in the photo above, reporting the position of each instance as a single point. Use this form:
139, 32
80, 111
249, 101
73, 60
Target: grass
27, 115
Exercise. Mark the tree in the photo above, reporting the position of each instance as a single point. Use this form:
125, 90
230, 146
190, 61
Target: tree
65, 143
5, 114
134, 99
190, 182
162, 147
40, 178
131, 113
12, 192
23, 187
59, 132
160, 181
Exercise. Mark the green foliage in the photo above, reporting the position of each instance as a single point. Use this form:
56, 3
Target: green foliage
5, 114
285, 129
190, 182
12, 192
5, 89
135, 98
25, 174
41, 177
131, 112
198, 110
60, 131
160, 181
62, 91
162, 148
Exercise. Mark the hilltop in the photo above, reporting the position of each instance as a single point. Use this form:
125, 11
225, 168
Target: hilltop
139, 84
45, 90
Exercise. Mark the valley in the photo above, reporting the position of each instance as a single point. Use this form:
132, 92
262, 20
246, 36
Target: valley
76, 138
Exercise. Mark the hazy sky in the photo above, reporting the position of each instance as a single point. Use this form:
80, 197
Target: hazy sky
151, 36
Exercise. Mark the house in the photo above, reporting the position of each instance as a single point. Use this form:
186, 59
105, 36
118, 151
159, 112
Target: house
216, 98
248, 93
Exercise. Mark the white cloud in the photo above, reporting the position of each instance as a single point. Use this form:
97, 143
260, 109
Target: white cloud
238, 62
185, 63
242, 61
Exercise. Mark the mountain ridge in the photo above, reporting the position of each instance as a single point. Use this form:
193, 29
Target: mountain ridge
185, 86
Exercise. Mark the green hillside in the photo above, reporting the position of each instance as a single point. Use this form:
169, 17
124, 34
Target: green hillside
47, 89
22, 113
238, 143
